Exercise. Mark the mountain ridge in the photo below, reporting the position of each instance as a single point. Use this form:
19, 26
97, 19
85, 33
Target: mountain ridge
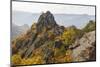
48, 42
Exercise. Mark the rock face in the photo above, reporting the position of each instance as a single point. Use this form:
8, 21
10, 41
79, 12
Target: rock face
46, 22
85, 50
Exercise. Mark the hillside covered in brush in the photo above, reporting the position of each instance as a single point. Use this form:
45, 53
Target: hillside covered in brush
47, 42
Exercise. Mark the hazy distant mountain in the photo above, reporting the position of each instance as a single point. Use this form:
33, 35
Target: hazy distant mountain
21, 18
17, 30
78, 20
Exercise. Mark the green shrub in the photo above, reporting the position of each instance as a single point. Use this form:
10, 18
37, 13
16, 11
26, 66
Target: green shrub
91, 26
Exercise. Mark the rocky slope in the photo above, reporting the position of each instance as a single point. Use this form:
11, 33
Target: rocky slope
85, 48
37, 35
47, 42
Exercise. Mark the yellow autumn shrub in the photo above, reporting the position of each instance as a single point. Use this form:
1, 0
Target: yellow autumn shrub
16, 59
33, 60
68, 57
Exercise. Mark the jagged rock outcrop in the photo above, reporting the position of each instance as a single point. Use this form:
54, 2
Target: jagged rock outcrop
46, 20
84, 48
38, 35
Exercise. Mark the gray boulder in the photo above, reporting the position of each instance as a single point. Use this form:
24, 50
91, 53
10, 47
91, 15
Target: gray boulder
86, 48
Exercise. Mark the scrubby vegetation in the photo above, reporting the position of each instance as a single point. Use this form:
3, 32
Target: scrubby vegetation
91, 26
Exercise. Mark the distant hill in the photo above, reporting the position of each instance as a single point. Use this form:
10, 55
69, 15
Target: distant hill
18, 30
78, 20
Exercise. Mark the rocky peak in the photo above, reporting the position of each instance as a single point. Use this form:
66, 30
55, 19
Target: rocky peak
46, 20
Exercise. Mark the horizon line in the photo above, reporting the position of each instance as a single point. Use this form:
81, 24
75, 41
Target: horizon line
51, 12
